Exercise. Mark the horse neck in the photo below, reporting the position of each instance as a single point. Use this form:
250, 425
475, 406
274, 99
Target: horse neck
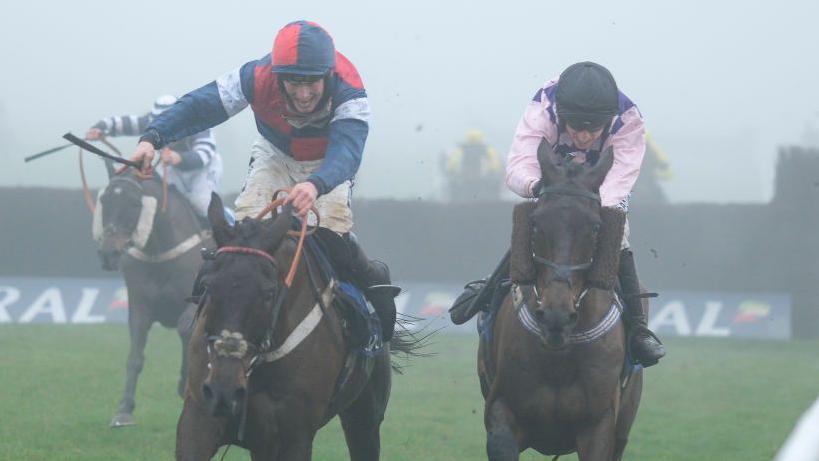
172, 226
300, 297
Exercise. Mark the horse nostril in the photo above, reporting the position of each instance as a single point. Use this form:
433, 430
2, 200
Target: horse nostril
540, 315
573, 318
207, 392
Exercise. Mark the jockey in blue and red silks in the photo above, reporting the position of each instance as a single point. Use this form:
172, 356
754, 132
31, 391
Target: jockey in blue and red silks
312, 112
581, 114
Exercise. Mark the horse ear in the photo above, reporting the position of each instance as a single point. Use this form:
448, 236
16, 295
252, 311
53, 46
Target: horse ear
594, 177
549, 172
222, 231
277, 227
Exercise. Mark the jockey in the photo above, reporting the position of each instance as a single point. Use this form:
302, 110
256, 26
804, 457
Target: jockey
312, 113
194, 166
581, 114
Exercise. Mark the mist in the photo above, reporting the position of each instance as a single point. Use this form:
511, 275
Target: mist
721, 84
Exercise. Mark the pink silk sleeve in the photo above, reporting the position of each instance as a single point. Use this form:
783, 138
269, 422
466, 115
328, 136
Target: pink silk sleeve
629, 146
522, 167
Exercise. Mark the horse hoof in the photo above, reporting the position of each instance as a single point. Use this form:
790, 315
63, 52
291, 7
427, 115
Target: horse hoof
122, 420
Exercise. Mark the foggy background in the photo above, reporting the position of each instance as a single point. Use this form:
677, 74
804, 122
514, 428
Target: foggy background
720, 84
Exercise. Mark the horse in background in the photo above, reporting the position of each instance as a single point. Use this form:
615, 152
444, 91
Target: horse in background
157, 253
552, 360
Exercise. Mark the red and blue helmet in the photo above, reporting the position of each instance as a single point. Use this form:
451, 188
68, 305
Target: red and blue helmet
303, 48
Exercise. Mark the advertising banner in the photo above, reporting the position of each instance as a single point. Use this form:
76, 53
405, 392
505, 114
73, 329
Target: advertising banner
674, 313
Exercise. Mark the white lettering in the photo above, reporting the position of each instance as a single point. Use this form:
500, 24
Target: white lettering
673, 315
707, 326
50, 302
10, 296
83, 312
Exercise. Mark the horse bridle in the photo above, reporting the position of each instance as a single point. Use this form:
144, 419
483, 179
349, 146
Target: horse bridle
233, 344
563, 272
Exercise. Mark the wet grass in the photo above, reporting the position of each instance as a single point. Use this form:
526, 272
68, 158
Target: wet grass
709, 400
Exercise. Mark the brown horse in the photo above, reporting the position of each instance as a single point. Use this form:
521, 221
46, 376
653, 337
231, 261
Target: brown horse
268, 354
551, 373
158, 255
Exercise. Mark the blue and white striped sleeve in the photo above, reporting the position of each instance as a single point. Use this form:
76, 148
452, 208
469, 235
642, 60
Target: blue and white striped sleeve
203, 149
202, 108
123, 125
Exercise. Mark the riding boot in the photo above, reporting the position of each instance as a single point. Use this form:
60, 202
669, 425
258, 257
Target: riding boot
373, 277
645, 347
479, 294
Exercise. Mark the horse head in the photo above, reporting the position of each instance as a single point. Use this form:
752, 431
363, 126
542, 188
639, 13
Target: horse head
245, 289
560, 230
123, 217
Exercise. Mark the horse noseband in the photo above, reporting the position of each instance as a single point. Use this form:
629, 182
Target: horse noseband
561, 272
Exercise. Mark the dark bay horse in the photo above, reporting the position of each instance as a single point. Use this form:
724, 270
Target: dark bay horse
267, 352
551, 373
158, 254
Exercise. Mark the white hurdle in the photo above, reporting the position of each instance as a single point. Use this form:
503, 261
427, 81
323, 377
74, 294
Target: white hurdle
803, 443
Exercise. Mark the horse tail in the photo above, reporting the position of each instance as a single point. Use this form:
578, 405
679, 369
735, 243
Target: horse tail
408, 343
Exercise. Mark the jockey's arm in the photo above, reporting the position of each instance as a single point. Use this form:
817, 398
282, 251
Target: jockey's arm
118, 125
345, 147
341, 161
522, 167
629, 147
200, 154
196, 111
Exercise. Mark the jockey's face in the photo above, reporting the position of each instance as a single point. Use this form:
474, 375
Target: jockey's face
583, 139
304, 96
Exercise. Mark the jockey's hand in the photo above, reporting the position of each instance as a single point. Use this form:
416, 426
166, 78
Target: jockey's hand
144, 154
93, 134
303, 197
170, 157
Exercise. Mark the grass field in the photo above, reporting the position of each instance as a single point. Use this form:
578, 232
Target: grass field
709, 400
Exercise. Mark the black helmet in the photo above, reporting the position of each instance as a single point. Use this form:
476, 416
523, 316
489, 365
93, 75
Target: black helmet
586, 96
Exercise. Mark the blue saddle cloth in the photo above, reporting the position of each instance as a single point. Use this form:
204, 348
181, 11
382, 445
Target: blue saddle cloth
361, 320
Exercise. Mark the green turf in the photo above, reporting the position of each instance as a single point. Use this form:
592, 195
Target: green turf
709, 400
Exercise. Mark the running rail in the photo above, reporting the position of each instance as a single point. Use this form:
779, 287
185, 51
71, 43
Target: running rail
803, 443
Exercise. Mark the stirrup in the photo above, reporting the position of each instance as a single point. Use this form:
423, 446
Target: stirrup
639, 295
387, 289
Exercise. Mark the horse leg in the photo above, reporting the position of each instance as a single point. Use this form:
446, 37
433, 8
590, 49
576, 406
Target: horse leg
596, 442
501, 432
362, 420
138, 325
628, 413
198, 435
184, 326
300, 449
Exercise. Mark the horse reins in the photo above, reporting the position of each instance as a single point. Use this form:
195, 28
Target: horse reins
89, 200
288, 280
300, 234
563, 272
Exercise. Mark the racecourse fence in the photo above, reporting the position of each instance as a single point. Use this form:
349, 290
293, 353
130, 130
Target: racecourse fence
767, 248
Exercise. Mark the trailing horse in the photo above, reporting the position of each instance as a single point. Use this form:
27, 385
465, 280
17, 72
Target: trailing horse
272, 359
552, 359
158, 255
